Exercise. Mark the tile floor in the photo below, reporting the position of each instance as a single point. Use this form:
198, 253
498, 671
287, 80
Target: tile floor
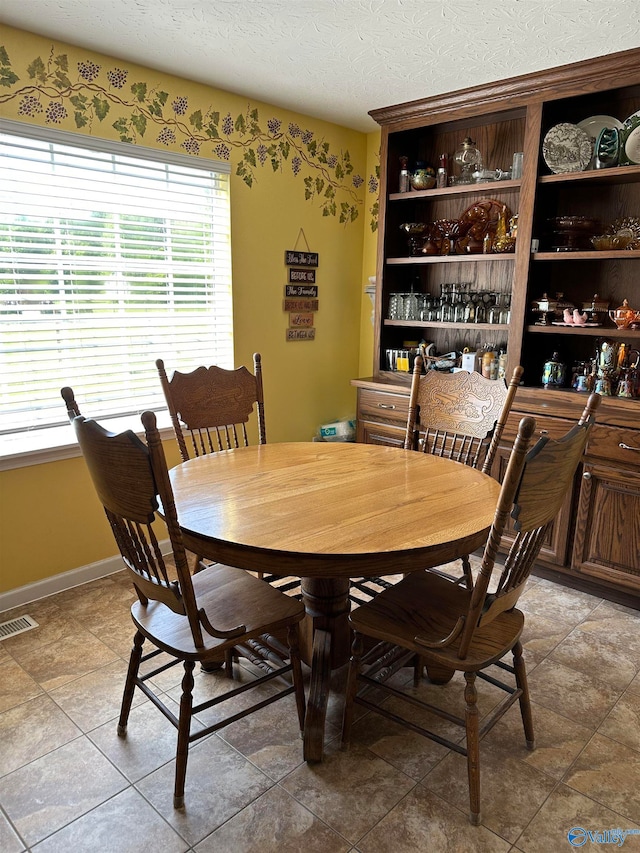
68, 783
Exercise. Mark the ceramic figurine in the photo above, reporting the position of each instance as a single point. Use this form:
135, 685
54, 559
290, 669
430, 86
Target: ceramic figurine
578, 318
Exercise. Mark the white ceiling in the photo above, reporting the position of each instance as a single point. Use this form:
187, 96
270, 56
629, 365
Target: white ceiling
337, 59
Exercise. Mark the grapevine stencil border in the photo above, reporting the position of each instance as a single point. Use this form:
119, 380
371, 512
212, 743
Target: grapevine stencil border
97, 93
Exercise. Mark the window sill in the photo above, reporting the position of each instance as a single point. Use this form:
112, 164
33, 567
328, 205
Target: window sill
24, 449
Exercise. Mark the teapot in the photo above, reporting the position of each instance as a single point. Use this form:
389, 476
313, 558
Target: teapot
622, 316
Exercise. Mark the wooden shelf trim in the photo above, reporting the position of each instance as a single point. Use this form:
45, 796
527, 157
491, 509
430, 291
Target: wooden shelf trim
426, 324
617, 255
453, 259
595, 331
459, 191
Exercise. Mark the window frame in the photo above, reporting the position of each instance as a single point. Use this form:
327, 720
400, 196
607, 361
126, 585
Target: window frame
49, 443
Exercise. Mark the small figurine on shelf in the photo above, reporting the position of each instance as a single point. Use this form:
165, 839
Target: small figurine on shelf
553, 372
504, 241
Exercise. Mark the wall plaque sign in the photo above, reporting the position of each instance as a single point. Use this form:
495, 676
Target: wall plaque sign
301, 290
300, 320
293, 258
300, 304
301, 334
302, 275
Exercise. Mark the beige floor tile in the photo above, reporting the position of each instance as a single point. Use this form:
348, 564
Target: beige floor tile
39, 805
541, 635
220, 782
9, 841
623, 723
95, 698
567, 605
150, 742
618, 627
634, 687
567, 810
53, 625
510, 790
608, 772
349, 790
595, 653
16, 686
32, 729
274, 823
67, 659
270, 738
558, 740
95, 598
124, 824
404, 749
580, 697
423, 821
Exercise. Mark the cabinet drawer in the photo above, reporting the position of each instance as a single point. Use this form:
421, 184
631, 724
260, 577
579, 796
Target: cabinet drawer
383, 406
553, 427
604, 444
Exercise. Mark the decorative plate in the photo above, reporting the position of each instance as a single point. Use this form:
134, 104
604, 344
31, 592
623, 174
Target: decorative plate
632, 145
567, 148
574, 325
632, 121
594, 124
607, 148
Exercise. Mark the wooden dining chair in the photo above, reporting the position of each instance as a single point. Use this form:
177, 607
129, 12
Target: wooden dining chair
211, 406
455, 629
459, 416
215, 615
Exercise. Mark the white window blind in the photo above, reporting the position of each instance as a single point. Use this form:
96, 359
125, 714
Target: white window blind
109, 259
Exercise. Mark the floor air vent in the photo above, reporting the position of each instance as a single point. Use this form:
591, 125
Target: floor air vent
16, 626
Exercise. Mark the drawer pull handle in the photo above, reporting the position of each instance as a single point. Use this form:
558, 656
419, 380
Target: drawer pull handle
385, 406
628, 447
544, 432
587, 475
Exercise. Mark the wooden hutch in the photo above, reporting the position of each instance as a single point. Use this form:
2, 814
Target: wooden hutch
595, 543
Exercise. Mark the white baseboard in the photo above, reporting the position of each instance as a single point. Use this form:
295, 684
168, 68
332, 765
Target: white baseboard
66, 580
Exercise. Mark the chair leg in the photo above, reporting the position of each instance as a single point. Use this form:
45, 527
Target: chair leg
294, 656
467, 577
525, 701
184, 728
130, 683
418, 669
352, 686
473, 746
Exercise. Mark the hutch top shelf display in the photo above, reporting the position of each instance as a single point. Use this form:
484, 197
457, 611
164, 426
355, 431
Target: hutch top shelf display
462, 265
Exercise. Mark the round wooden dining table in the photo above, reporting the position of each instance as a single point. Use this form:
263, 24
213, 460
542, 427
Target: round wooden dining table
327, 512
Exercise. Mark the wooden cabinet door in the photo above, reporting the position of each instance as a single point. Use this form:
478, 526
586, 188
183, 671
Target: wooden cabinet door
607, 540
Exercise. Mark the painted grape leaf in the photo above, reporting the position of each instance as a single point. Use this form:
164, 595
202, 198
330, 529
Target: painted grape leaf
140, 123
7, 77
139, 91
37, 71
100, 107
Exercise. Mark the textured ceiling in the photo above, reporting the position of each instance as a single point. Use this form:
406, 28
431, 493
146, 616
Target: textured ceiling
337, 59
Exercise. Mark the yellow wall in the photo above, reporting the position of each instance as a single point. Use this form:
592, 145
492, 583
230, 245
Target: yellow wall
50, 521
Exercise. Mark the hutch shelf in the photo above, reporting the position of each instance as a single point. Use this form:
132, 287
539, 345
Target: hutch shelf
595, 543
